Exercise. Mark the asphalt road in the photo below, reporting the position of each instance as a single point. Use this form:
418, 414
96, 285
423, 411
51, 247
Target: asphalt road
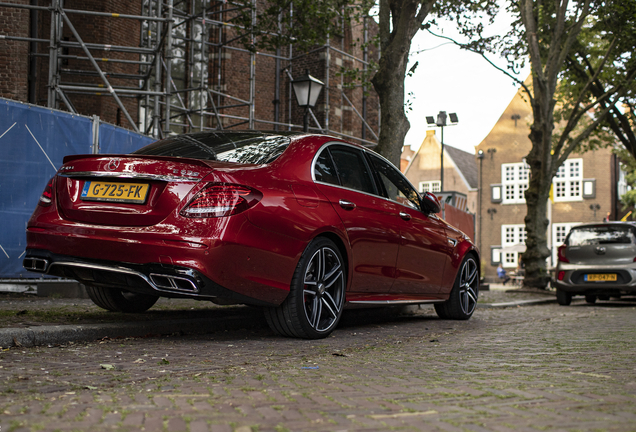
521, 368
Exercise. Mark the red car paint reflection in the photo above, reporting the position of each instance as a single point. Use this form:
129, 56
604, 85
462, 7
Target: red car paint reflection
301, 225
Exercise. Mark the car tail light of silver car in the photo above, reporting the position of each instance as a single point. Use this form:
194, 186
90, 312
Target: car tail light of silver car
561, 254
561, 275
218, 200
47, 195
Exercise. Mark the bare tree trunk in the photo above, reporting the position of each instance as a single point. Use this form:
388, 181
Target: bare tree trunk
399, 21
389, 84
541, 161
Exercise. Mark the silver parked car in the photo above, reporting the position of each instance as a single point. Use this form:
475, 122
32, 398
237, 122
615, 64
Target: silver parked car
597, 261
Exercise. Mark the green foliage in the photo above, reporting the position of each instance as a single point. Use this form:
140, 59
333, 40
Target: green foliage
303, 23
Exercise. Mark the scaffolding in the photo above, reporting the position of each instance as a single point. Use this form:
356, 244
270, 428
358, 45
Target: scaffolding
180, 74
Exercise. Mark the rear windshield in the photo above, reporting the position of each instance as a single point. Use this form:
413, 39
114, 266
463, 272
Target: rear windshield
601, 235
238, 147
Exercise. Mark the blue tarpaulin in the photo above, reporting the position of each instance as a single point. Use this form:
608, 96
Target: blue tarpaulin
33, 142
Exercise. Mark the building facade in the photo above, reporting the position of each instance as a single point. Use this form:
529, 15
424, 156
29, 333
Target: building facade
584, 190
494, 179
162, 67
423, 169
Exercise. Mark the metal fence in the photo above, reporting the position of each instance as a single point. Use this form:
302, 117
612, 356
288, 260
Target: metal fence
33, 142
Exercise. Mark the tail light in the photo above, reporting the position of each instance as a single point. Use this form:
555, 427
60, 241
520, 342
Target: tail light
218, 200
47, 195
561, 254
561, 275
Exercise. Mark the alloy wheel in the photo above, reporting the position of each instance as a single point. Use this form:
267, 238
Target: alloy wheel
323, 289
468, 282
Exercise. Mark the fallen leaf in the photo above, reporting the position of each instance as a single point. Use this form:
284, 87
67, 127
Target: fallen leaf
107, 366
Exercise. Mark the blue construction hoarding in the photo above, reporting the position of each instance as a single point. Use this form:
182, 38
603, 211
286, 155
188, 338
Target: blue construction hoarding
33, 142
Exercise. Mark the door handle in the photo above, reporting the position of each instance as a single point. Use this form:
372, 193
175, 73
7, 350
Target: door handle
405, 216
347, 205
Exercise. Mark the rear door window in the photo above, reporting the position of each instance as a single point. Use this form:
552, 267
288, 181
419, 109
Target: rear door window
324, 170
350, 166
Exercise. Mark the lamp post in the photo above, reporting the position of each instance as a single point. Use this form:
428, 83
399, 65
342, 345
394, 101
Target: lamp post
480, 156
441, 122
307, 89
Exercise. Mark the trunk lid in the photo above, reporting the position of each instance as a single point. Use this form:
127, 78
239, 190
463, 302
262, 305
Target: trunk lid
125, 190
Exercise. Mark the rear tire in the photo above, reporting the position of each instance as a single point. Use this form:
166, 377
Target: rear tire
564, 298
463, 297
116, 300
315, 302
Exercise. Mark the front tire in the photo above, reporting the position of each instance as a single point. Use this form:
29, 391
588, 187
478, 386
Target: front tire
315, 302
116, 300
463, 297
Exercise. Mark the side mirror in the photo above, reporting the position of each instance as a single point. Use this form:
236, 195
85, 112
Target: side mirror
430, 203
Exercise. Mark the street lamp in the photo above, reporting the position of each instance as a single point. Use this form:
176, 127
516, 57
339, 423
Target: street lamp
307, 89
441, 122
480, 156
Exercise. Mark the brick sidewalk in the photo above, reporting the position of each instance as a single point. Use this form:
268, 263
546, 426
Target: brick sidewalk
531, 368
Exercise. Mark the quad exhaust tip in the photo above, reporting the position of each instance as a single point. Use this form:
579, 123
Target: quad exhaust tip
173, 283
161, 282
35, 264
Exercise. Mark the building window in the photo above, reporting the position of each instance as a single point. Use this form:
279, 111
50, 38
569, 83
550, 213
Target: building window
568, 181
514, 178
622, 186
495, 193
431, 186
513, 240
589, 188
495, 255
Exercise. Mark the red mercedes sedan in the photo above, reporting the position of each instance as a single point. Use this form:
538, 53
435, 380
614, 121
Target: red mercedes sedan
301, 225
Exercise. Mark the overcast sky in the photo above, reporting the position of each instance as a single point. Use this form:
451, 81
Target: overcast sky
454, 80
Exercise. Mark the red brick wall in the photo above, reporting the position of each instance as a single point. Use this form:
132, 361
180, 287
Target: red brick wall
234, 68
14, 55
104, 30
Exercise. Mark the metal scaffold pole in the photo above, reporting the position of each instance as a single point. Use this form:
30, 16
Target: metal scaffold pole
180, 75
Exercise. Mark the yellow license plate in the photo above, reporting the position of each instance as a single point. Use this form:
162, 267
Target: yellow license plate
115, 192
609, 277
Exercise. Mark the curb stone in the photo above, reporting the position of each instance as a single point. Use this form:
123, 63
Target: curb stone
60, 334
516, 303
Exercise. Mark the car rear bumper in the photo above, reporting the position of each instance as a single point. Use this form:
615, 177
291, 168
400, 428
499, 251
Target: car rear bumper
254, 263
154, 278
573, 281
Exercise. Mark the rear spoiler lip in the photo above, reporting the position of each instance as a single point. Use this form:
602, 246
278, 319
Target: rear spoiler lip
181, 160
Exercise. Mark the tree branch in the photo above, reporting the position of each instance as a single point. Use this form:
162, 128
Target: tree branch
467, 47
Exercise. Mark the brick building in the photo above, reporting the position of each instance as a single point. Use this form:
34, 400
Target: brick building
584, 190
460, 170
158, 69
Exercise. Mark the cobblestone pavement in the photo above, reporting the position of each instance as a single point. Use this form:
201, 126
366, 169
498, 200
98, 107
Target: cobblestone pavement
533, 368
